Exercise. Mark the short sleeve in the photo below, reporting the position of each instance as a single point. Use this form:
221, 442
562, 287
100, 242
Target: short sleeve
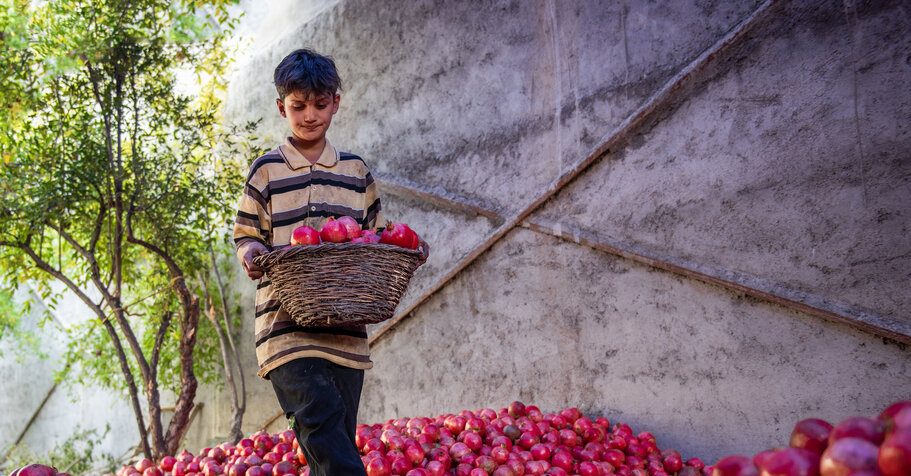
253, 222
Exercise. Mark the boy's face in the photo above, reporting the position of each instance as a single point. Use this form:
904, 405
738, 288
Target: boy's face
308, 115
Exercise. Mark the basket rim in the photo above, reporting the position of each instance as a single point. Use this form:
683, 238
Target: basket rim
270, 259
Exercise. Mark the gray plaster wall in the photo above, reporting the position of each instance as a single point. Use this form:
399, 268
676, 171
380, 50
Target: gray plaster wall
792, 166
787, 164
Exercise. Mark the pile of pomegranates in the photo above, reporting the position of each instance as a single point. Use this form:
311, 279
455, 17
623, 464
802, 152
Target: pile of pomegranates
346, 229
522, 440
858, 446
260, 454
517, 440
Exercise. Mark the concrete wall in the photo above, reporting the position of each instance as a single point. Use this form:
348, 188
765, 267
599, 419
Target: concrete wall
785, 164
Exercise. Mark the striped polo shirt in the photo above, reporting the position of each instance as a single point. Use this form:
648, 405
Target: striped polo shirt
283, 191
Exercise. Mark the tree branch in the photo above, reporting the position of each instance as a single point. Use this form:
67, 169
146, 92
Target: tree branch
111, 300
98, 99
159, 339
188, 323
89, 257
99, 224
173, 267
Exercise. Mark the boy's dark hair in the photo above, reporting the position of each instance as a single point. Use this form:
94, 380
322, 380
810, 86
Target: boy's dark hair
306, 71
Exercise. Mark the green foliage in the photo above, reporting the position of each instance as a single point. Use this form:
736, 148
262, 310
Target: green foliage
92, 121
75, 455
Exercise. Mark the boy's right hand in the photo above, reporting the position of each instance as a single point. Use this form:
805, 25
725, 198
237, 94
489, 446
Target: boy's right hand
254, 249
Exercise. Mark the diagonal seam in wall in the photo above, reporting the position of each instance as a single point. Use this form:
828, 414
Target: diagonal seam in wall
800, 301
438, 197
669, 94
759, 288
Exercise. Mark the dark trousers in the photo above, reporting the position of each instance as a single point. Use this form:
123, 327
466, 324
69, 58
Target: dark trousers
320, 400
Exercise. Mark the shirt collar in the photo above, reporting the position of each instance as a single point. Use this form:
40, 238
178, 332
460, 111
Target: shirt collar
296, 160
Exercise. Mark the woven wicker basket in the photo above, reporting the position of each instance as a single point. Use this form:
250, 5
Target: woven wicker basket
340, 284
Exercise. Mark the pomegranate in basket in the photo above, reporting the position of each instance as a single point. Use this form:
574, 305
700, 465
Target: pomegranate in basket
304, 235
351, 226
399, 234
367, 236
333, 231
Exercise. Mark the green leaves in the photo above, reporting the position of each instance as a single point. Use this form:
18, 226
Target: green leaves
95, 137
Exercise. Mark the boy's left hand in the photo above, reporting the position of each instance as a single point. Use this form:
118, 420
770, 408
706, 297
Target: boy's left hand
424, 249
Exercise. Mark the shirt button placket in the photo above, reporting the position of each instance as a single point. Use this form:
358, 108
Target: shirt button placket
310, 206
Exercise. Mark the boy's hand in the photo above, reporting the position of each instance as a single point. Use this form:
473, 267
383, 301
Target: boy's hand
253, 250
424, 248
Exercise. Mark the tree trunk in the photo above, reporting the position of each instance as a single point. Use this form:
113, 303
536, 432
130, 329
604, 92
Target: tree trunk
183, 407
131, 385
189, 322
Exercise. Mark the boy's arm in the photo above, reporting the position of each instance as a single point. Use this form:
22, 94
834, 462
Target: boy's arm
253, 225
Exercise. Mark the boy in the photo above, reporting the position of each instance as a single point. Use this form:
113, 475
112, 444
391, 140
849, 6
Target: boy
317, 373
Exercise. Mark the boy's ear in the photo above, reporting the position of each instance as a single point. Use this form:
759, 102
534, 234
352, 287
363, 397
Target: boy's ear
281, 106
335, 103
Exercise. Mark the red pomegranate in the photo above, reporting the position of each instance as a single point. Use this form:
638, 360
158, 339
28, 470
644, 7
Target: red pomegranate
36, 470
333, 231
302, 235
399, 234
895, 454
849, 455
351, 226
811, 434
859, 427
